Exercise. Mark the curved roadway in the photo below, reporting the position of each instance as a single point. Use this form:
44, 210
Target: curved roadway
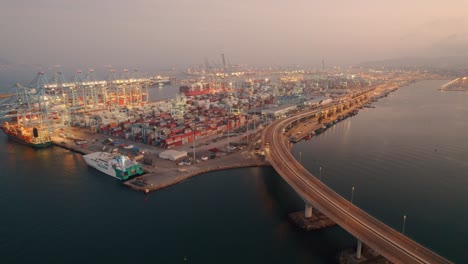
387, 241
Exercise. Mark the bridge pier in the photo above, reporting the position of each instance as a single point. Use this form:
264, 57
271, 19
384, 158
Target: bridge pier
361, 254
308, 210
359, 249
307, 221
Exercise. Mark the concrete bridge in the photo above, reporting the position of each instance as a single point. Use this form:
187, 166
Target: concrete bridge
390, 243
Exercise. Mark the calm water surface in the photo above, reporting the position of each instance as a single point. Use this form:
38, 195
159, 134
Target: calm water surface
406, 156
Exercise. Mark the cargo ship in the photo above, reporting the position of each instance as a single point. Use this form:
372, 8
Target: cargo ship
115, 165
194, 89
202, 88
160, 80
36, 137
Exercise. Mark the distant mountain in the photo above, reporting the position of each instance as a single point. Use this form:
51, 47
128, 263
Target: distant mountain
11, 73
423, 63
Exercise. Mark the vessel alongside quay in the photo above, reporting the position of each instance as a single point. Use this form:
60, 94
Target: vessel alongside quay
115, 165
37, 137
160, 80
203, 88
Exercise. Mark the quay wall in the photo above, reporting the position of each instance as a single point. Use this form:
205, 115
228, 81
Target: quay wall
168, 173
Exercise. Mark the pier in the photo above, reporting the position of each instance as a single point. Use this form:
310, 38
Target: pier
163, 173
311, 221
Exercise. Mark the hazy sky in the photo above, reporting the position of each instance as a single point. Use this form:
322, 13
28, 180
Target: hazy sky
156, 34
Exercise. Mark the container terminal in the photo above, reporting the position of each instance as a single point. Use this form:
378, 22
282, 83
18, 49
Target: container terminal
187, 135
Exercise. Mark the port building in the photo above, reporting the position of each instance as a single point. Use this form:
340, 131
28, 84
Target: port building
172, 154
278, 110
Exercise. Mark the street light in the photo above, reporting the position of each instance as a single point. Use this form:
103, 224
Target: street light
352, 194
320, 174
404, 223
193, 131
228, 124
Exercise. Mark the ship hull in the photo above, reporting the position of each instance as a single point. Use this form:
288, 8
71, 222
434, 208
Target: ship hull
105, 163
200, 88
101, 166
195, 93
13, 137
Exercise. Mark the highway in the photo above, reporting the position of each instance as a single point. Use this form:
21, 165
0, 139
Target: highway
390, 243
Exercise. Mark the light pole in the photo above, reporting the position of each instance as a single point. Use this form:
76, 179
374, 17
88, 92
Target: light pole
247, 125
404, 223
352, 194
193, 131
246, 117
228, 124
320, 173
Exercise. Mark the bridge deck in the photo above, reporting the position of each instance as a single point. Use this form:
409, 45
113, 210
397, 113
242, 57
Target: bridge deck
388, 242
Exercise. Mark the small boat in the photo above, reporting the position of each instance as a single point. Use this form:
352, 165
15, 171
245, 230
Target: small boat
294, 139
